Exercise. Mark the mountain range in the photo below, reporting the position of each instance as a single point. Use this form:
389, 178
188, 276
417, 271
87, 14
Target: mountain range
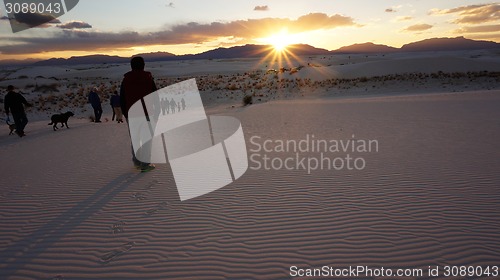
252, 51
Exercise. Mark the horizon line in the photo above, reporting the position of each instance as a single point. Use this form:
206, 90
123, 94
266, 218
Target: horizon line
34, 60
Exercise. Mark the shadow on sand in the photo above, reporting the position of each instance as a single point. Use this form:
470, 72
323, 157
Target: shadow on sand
14, 257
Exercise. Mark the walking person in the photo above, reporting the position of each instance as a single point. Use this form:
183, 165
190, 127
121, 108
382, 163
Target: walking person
14, 103
162, 104
136, 84
173, 105
116, 105
183, 104
95, 101
112, 108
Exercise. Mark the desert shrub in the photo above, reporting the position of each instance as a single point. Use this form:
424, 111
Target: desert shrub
247, 100
259, 86
232, 87
47, 88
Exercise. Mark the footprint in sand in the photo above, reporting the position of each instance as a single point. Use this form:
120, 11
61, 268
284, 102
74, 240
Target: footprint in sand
141, 195
118, 227
138, 196
151, 185
117, 252
157, 208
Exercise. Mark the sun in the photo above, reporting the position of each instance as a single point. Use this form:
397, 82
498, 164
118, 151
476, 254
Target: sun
282, 48
279, 41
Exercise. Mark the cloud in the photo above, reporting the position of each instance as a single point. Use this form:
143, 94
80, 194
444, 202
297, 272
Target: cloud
393, 9
193, 32
488, 36
261, 8
317, 21
22, 21
479, 29
253, 28
75, 25
404, 18
33, 20
418, 27
472, 14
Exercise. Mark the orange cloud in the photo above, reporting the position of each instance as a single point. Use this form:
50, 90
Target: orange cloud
418, 27
404, 18
488, 36
479, 29
190, 33
315, 21
473, 14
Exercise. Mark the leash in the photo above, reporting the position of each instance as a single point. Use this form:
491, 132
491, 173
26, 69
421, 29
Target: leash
6, 121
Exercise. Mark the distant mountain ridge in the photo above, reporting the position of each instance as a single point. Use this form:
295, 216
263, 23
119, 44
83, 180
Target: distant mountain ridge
257, 51
87, 59
448, 44
246, 51
365, 48
252, 51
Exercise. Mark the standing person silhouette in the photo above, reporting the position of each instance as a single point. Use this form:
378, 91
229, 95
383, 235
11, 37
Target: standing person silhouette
173, 105
163, 109
115, 102
14, 102
135, 86
183, 104
112, 108
95, 101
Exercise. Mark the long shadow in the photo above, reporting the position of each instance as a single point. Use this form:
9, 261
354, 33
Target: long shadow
34, 135
17, 255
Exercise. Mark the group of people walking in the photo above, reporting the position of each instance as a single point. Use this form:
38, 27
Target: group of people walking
135, 85
171, 106
114, 101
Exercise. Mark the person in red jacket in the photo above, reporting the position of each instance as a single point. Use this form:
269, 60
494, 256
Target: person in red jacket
135, 85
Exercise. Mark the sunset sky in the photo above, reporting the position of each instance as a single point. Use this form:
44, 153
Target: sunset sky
118, 27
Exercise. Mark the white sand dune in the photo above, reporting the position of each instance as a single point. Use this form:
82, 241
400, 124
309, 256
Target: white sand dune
72, 207
32, 72
427, 65
314, 67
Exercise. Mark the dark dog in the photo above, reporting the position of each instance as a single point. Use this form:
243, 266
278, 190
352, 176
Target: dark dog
60, 118
12, 127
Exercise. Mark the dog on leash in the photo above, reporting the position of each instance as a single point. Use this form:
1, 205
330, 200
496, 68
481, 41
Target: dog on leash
60, 118
12, 127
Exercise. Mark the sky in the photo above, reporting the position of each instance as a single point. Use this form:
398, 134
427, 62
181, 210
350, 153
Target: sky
124, 28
